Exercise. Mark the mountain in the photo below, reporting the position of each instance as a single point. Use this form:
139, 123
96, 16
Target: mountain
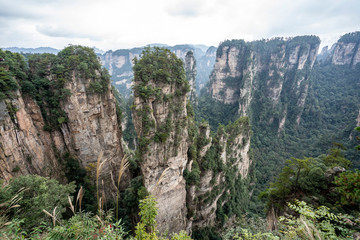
297, 106
32, 50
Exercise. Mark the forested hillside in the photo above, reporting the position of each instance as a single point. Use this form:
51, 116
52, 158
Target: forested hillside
297, 107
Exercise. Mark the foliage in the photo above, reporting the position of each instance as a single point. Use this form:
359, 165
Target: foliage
319, 223
7, 84
158, 65
249, 228
129, 134
85, 226
14, 63
41, 193
206, 233
358, 138
13, 69
348, 186
307, 178
215, 112
192, 177
353, 37
306, 222
82, 178
146, 228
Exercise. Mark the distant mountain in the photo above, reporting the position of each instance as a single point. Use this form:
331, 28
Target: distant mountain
119, 63
32, 50
43, 50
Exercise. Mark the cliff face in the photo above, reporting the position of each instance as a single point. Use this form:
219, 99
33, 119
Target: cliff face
88, 123
274, 71
25, 147
92, 123
347, 51
119, 64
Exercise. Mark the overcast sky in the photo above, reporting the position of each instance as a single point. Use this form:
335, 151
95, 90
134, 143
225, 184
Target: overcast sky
115, 24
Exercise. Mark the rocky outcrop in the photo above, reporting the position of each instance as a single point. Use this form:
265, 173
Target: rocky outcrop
347, 51
264, 69
191, 174
90, 125
160, 120
190, 70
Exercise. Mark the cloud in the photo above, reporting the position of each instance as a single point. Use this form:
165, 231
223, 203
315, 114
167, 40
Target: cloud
113, 24
189, 8
185, 10
55, 31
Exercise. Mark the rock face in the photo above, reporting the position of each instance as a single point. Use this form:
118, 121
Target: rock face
190, 69
160, 120
347, 51
277, 68
90, 126
25, 147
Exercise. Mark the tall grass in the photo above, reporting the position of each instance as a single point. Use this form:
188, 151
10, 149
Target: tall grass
99, 165
124, 164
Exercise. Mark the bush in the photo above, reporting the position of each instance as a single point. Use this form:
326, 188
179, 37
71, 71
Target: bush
40, 194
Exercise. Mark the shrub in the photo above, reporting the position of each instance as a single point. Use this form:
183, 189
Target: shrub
40, 194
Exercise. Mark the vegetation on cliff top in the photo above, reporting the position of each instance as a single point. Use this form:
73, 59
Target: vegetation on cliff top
353, 37
49, 74
12, 68
156, 70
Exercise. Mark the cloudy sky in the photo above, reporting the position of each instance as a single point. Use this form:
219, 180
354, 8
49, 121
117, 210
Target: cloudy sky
115, 24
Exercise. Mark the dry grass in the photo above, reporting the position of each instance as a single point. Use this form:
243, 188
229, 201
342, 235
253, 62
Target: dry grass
163, 174
99, 165
5, 207
53, 215
79, 197
124, 164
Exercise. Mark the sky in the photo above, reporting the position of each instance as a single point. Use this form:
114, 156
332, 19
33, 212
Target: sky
118, 24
